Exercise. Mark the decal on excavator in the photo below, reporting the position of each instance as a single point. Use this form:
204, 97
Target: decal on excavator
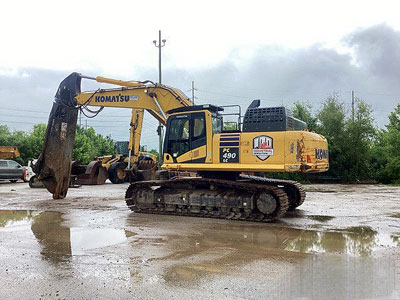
231, 140
321, 153
118, 98
229, 155
263, 147
63, 132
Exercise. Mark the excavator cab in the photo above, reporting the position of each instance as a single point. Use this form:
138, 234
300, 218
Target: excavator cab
189, 133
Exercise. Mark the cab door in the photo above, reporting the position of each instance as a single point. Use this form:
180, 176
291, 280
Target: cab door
186, 138
177, 139
198, 138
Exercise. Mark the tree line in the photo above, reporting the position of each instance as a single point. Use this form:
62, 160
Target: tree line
88, 144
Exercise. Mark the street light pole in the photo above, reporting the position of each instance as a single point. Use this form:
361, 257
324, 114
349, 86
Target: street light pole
160, 127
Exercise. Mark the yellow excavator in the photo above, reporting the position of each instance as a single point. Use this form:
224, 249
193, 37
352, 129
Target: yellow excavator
205, 170
116, 165
8, 152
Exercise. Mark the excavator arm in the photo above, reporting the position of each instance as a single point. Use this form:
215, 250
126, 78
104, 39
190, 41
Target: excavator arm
157, 99
54, 164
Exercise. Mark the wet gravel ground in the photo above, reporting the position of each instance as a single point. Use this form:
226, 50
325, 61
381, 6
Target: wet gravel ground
342, 243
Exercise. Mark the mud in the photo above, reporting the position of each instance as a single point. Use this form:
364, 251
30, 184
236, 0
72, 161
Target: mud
340, 244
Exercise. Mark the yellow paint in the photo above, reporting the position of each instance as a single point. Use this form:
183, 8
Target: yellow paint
290, 150
8, 152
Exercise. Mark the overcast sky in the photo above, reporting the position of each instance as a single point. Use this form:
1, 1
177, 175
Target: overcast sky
276, 51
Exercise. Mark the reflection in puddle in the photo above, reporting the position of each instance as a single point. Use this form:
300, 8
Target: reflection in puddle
354, 241
83, 240
223, 250
320, 218
58, 242
14, 218
396, 239
335, 277
395, 215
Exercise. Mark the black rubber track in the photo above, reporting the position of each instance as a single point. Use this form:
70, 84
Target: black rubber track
294, 190
252, 184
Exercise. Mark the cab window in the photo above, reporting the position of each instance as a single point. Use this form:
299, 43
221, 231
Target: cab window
199, 131
216, 125
178, 136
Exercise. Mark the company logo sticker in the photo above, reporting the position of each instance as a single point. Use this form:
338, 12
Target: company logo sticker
263, 147
116, 98
321, 154
63, 132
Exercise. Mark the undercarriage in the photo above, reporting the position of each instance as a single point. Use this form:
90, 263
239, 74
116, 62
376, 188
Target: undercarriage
250, 198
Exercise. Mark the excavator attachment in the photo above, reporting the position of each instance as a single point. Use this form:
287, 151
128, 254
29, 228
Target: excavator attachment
53, 167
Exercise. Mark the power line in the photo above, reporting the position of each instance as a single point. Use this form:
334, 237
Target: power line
25, 110
21, 116
20, 122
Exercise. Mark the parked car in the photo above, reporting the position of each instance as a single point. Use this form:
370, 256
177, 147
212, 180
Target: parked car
29, 172
31, 176
11, 170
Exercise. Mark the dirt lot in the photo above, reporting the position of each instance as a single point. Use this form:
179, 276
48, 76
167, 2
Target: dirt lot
342, 243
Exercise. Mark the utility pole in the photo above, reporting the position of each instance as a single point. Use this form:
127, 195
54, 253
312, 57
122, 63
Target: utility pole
160, 126
352, 105
193, 89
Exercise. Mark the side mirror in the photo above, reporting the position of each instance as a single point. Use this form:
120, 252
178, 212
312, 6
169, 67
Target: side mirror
19, 166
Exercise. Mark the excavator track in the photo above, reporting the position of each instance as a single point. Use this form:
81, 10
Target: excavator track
294, 190
250, 198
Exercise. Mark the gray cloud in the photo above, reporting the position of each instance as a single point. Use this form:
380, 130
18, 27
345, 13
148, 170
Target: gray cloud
377, 50
274, 75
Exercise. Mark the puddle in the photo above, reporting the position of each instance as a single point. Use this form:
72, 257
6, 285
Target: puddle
225, 249
396, 239
320, 218
59, 242
322, 191
214, 254
395, 215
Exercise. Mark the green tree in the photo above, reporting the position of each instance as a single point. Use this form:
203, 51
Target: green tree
88, 144
21, 140
332, 120
5, 134
303, 111
154, 152
386, 151
360, 133
35, 140
349, 140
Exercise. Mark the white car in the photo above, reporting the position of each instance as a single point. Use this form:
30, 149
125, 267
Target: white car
28, 170
31, 176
